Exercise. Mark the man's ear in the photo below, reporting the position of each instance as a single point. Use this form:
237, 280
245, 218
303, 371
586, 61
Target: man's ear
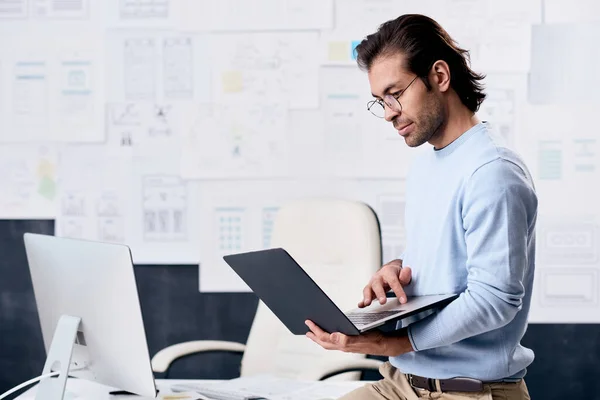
440, 75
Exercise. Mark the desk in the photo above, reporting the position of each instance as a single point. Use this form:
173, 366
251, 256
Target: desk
78, 389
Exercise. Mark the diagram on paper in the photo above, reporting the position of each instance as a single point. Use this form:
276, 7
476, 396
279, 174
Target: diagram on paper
586, 156
499, 109
237, 142
164, 205
178, 68
567, 288
93, 194
568, 268
13, 9
142, 124
571, 160
550, 159
160, 67
562, 83
227, 234
569, 243
268, 220
342, 109
342, 134
30, 97
260, 67
230, 223
77, 105
390, 210
139, 68
111, 226
28, 181
53, 93
60, 9
147, 9
99, 217
125, 123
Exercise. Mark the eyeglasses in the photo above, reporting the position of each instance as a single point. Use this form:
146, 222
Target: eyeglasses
377, 106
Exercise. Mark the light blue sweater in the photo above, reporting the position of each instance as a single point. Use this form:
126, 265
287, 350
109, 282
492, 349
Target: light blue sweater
471, 211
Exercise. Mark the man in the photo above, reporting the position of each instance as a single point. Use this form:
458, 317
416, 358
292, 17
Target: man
470, 222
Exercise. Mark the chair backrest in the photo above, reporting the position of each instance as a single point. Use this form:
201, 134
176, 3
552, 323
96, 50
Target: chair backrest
338, 243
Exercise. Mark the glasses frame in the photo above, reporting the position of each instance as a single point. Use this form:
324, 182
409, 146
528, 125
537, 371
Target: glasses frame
392, 101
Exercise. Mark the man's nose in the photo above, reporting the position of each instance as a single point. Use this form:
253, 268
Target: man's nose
390, 114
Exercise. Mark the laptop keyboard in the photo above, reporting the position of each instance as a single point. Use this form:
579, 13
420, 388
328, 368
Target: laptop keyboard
365, 318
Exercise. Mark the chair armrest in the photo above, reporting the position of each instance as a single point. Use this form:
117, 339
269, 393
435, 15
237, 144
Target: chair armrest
163, 359
329, 370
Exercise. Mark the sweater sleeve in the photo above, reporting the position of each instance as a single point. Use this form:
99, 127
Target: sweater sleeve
498, 209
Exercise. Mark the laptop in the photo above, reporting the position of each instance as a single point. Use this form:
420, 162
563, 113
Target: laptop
291, 294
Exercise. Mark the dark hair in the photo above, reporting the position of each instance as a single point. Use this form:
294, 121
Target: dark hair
423, 42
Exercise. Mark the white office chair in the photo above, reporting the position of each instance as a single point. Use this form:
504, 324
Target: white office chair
338, 243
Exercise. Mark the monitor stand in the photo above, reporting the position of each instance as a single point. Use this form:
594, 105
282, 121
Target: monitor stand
59, 359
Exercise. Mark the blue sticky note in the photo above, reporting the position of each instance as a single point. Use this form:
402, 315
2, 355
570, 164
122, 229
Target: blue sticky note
353, 49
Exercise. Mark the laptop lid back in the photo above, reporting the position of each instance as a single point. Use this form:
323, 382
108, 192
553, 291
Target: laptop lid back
288, 291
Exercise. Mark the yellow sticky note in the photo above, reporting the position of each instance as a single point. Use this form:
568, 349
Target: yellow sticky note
45, 168
338, 51
232, 81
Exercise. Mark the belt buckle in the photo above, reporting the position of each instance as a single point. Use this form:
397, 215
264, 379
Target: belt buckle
410, 380
431, 385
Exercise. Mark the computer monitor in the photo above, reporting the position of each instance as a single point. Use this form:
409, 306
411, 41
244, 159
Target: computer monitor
89, 313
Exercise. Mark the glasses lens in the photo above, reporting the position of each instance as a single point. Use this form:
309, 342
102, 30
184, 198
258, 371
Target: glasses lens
377, 109
393, 103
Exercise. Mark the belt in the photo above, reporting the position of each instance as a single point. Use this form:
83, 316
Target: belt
445, 385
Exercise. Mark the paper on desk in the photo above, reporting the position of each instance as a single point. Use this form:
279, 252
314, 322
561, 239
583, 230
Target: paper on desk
183, 396
321, 390
276, 388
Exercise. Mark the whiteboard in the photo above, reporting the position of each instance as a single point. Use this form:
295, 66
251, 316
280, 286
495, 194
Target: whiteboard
170, 124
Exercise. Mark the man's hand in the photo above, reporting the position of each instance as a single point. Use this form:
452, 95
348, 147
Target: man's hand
391, 276
374, 343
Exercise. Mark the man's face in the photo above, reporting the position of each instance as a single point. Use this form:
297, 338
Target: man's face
422, 110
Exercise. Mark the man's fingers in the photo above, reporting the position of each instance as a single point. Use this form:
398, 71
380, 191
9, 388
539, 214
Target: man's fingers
377, 287
405, 276
314, 327
329, 341
367, 296
339, 339
390, 276
397, 283
319, 334
325, 345
394, 283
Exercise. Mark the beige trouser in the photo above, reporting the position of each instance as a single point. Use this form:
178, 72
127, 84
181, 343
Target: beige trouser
395, 386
